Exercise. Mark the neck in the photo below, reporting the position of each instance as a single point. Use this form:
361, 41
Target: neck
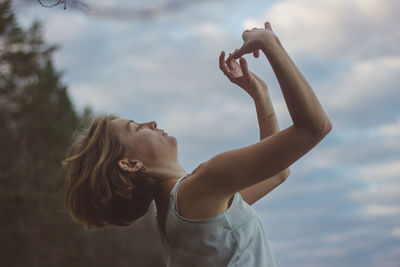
165, 175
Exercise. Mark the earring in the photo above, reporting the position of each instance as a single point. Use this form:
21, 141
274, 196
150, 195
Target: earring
143, 168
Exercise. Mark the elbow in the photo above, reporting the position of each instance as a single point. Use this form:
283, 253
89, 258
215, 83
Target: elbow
285, 174
328, 126
321, 130
318, 130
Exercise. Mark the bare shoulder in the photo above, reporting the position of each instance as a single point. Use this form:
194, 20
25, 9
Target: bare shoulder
195, 201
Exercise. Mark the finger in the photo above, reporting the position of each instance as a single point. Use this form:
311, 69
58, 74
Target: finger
222, 60
230, 61
244, 67
241, 51
234, 63
256, 53
244, 35
222, 64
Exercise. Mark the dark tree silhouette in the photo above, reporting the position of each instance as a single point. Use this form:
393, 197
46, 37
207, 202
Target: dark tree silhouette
37, 120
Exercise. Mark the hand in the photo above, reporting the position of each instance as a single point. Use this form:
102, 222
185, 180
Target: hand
241, 76
256, 39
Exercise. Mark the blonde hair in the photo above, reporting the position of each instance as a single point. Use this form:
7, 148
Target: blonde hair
97, 191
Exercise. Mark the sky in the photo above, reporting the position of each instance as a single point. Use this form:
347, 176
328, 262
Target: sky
158, 60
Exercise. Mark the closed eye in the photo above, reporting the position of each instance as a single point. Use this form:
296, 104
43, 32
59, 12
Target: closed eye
128, 124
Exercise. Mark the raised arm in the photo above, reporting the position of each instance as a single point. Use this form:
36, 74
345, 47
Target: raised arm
303, 105
231, 171
240, 75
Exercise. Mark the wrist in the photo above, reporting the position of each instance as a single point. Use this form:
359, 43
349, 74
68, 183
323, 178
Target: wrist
260, 96
270, 45
255, 89
264, 106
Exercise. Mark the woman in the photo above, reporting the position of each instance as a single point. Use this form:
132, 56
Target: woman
118, 166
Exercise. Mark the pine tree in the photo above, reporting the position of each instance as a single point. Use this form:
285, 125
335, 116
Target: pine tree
37, 120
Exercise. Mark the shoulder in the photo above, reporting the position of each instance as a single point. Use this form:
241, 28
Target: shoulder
196, 200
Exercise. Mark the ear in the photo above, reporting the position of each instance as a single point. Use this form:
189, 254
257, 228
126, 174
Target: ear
130, 165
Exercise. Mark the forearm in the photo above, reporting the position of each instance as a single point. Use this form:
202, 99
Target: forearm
303, 105
268, 123
266, 117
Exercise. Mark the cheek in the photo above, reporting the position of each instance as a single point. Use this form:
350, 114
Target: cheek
148, 144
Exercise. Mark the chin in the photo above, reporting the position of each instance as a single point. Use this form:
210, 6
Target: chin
174, 140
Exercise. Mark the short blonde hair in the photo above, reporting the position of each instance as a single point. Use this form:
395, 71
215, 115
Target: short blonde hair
97, 191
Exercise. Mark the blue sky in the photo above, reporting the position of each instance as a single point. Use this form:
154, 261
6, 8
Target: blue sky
341, 204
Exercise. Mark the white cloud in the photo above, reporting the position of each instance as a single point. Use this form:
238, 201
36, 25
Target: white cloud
60, 26
65, 27
391, 129
336, 238
215, 121
381, 196
355, 43
367, 91
84, 94
365, 82
368, 151
376, 13
381, 171
333, 28
384, 192
210, 30
396, 232
382, 210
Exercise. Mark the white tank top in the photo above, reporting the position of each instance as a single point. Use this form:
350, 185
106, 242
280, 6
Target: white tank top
234, 238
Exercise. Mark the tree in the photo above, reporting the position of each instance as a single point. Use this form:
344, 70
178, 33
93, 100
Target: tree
37, 120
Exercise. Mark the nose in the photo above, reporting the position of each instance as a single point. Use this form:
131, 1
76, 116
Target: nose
153, 125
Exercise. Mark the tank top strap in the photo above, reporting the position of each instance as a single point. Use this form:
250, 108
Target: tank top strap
174, 192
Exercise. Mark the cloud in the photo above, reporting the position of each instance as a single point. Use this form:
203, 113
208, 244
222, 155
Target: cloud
329, 212
383, 210
367, 91
211, 30
383, 189
136, 11
350, 149
380, 171
328, 29
389, 257
396, 232
73, 27
391, 129
347, 50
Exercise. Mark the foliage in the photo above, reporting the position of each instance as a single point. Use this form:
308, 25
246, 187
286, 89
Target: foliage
37, 120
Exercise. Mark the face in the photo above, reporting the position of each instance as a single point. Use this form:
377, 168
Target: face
145, 141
